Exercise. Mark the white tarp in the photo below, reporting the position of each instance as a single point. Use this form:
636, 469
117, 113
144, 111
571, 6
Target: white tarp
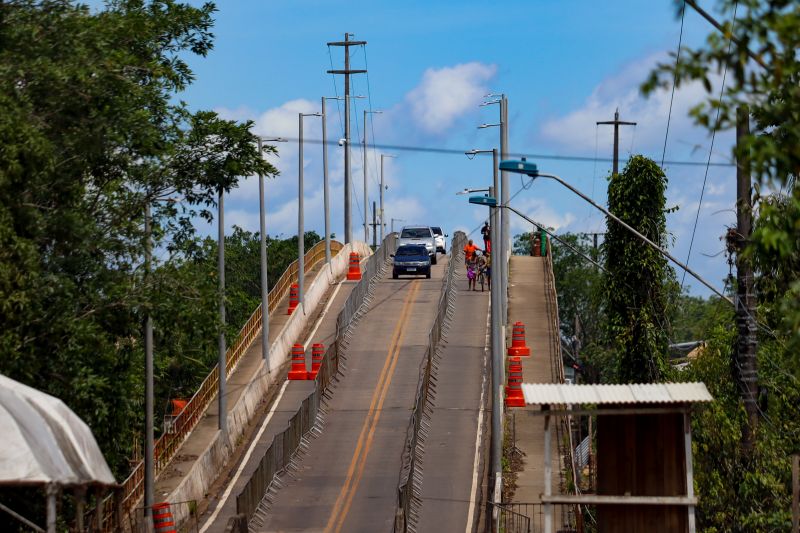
43, 441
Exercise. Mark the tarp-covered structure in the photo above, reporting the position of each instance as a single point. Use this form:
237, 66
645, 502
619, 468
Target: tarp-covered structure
45, 443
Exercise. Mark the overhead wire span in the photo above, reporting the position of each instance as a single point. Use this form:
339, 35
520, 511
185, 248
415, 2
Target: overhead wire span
551, 157
336, 93
674, 82
371, 119
711, 148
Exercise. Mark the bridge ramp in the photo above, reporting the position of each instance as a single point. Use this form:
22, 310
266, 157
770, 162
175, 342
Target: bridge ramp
527, 302
348, 479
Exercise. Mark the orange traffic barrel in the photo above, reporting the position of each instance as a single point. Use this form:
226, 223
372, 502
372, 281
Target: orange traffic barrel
294, 298
298, 370
354, 272
162, 519
518, 347
317, 352
514, 396
178, 405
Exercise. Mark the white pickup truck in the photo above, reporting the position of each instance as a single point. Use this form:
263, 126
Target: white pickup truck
422, 235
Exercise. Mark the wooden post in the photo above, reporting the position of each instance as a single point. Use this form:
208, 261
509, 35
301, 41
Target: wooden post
687, 446
548, 474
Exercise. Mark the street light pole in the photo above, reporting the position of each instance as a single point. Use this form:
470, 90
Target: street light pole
301, 245
149, 464
326, 189
505, 238
262, 216
366, 198
497, 345
221, 363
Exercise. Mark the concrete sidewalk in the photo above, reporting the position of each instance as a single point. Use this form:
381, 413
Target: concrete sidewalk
451, 479
527, 304
206, 430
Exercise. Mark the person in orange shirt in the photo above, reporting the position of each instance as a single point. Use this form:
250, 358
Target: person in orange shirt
469, 251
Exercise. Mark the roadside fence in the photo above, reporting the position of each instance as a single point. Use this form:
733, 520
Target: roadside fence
407, 511
167, 445
288, 447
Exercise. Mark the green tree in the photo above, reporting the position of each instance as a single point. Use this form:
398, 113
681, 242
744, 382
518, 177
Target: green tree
92, 132
636, 292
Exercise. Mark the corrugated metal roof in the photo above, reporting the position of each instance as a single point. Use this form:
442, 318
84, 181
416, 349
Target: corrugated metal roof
655, 393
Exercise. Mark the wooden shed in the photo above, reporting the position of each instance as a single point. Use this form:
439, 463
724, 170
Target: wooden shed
644, 452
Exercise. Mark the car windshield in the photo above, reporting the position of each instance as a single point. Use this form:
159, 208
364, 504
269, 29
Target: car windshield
415, 233
412, 250
437, 230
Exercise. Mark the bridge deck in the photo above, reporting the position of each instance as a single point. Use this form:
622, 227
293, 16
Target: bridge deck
348, 479
451, 481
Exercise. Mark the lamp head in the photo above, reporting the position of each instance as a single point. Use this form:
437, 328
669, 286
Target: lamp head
521, 166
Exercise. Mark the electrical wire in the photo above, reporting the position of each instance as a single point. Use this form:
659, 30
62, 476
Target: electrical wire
674, 82
711, 148
552, 157
371, 119
336, 92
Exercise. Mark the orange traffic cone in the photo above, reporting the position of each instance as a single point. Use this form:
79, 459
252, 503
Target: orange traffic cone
162, 519
518, 346
317, 351
514, 396
298, 371
294, 298
354, 272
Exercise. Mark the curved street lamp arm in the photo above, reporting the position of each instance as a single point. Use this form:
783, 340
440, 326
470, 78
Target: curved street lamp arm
639, 235
554, 236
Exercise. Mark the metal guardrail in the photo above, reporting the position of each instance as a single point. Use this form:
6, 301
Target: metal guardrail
254, 499
563, 432
529, 517
167, 445
406, 513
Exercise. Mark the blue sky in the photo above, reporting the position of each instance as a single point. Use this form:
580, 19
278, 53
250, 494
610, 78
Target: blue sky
563, 64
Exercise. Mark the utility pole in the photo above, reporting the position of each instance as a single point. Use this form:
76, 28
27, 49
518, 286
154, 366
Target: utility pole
616, 123
746, 344
374, 226
347, 43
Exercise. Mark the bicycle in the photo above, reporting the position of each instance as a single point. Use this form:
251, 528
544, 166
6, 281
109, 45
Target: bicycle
482, 277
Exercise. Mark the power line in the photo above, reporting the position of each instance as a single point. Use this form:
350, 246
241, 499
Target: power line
674, 83
553, 157
336, 92
711, 148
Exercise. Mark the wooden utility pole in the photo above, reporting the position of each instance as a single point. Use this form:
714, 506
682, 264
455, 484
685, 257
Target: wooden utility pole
347, 43
616, 123
745, 363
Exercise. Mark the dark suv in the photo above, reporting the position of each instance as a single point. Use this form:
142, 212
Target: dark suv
412, 259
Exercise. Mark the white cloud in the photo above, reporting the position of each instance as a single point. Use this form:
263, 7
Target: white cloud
447, 93
540, 211
576, 130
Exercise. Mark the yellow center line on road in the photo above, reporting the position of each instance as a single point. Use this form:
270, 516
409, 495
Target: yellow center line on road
345, 497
